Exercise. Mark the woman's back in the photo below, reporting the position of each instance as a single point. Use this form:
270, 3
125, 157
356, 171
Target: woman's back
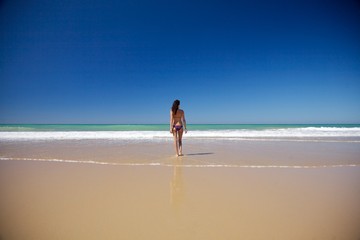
178, 117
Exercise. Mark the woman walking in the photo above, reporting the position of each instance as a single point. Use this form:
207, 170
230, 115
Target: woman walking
177, 126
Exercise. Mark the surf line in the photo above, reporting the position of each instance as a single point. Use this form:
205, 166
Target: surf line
77, 161
178, 165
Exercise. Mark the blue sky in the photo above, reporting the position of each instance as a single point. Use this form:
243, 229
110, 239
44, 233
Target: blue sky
256, 61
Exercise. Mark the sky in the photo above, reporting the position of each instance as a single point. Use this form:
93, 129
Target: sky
119, 62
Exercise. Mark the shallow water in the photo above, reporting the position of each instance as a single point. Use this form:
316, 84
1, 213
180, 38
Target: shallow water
197, 153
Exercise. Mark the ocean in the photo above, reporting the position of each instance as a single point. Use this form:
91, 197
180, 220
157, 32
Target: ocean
139, 132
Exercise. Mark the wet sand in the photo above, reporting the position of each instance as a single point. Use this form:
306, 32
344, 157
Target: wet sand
203, 195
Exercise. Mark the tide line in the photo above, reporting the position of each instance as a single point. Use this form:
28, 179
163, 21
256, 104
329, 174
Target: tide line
180, 165
78, 161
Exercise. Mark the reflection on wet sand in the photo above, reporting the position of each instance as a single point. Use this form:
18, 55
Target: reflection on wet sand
177, 186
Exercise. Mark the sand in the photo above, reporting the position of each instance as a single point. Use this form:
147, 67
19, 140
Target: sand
226, 190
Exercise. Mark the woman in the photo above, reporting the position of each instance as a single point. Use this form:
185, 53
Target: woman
177, 126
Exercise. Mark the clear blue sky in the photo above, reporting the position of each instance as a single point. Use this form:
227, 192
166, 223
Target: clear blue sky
96, 61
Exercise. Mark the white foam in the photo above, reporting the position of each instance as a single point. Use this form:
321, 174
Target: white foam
178, 165
240, 134
80, 135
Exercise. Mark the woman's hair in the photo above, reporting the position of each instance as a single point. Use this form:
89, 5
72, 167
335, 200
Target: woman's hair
175, 106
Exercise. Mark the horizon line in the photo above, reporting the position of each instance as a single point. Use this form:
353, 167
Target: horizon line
168, 123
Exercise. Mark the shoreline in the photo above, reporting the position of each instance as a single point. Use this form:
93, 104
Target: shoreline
180, 165
197, 152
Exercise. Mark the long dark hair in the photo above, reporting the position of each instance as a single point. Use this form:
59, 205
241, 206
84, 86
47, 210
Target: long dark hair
175, 106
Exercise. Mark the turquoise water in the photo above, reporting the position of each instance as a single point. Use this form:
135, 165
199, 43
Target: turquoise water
157, 127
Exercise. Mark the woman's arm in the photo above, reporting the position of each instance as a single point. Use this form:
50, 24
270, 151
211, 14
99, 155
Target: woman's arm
171, 121
184, 121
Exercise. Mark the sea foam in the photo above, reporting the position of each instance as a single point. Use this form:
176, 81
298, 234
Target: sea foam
133, 164
240, 134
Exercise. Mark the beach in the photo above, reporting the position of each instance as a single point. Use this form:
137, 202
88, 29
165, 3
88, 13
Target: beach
219, 189
266, 93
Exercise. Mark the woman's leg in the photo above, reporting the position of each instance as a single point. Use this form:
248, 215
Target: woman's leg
176, 145
180, 141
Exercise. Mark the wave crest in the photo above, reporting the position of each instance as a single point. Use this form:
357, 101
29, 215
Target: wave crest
308, 132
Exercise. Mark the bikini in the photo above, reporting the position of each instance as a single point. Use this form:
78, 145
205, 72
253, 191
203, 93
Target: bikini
177, 127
